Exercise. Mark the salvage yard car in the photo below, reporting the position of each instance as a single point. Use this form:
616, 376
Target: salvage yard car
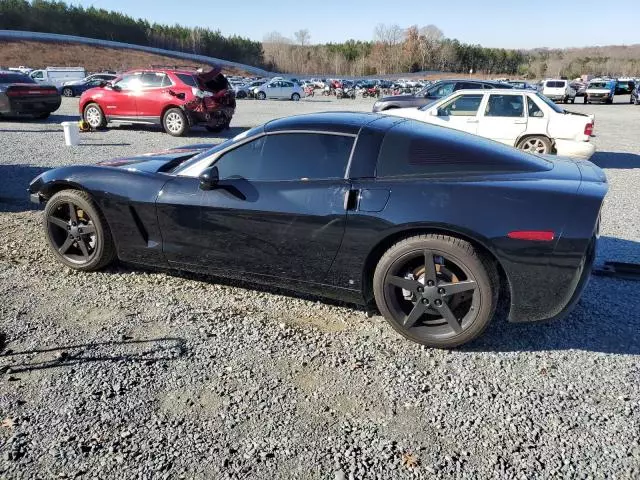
21, 95
559, 91
432, 93
600, 91
76, 87
279, 88
433, 225
175, 99
521, 118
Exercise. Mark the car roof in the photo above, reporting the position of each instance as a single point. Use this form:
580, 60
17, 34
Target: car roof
338, 122
495, 90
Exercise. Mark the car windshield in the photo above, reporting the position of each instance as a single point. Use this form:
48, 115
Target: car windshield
551, 104
15, 78
221, 146
598, 85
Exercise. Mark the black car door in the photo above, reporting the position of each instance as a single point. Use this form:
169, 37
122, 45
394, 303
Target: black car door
278, 208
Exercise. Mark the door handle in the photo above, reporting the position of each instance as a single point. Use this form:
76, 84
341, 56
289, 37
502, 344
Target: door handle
351, 199
472, 120
520, 122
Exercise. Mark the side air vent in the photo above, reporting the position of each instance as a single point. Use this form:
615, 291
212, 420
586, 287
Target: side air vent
139, 224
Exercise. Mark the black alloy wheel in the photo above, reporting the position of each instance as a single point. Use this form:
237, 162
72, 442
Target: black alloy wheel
436, 290
77, 232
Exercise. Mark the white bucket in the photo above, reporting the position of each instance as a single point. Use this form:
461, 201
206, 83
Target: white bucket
71, 133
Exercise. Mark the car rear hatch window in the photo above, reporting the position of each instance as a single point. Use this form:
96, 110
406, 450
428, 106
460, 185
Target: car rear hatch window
556, 84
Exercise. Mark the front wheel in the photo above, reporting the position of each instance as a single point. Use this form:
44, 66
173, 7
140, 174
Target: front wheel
261, 96
175, 122
77, 232
67, 92
537, 144
436, 290
295, 97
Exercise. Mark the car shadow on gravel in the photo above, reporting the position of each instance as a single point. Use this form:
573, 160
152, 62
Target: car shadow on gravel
129, 350
621, 160
605, 320
14, 180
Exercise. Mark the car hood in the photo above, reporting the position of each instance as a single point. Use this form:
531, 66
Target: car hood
157, 162
401, 98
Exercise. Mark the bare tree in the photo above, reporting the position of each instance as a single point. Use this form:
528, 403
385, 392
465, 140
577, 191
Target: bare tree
302, 36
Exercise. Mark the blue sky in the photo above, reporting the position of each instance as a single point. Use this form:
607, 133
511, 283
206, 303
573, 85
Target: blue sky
524, 24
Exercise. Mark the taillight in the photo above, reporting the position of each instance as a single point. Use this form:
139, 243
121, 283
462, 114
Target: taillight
21, 92
588, 129
534, 235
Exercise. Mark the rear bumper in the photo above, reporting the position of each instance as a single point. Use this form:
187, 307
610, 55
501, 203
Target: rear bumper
575, 149
34, 105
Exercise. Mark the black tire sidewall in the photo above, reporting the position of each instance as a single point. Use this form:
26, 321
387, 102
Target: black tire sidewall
450, 248
66, 196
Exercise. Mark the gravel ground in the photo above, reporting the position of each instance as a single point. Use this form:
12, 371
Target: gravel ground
134, 374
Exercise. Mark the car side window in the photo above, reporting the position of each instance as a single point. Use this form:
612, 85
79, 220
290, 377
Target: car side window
534, 109
504, 106
152, 79
287, 84
128, 82
37, 75
462, 106
441, 90
288, 156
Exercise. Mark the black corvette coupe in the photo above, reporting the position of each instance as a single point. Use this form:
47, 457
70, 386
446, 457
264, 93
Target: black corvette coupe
432, 225
21, 95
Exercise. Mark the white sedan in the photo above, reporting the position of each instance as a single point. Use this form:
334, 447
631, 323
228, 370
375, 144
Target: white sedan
520, 118
278, 88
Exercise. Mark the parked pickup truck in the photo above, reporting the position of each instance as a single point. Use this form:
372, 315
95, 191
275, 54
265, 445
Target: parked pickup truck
600, 91
559, 91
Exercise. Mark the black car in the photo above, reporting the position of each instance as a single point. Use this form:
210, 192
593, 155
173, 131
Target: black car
76, 88
433, 225
21, 95
433, 92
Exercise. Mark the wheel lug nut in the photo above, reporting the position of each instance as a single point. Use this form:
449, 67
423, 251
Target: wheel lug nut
430, 283
420, 289
425, 301
441, 291
438, 303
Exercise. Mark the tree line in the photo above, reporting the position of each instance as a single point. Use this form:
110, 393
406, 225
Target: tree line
59, 17
392, 50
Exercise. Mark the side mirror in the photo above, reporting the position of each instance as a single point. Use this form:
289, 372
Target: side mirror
115, 88
209, 178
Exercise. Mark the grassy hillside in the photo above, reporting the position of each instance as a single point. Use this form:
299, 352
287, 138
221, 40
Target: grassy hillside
94, 59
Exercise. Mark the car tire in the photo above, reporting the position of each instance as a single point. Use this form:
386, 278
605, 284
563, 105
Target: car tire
585, 101
428, 314
295, 97
609, 101
67, 92
572, 100
84, 243
261, 96
175, 122
535, 144
92, 114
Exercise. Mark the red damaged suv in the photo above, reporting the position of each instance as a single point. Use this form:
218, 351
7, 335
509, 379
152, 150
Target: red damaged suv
175, 98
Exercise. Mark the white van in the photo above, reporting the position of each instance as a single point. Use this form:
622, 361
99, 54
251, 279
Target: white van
559, 91
58, 75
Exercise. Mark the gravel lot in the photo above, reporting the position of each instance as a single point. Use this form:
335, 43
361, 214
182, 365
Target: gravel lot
134, 374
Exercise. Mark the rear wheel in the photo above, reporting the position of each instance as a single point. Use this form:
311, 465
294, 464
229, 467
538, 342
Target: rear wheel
175, 122
77, 232
537, 144
241, 94
261, 96
93, 116
67, 92
295, 97
436, 290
